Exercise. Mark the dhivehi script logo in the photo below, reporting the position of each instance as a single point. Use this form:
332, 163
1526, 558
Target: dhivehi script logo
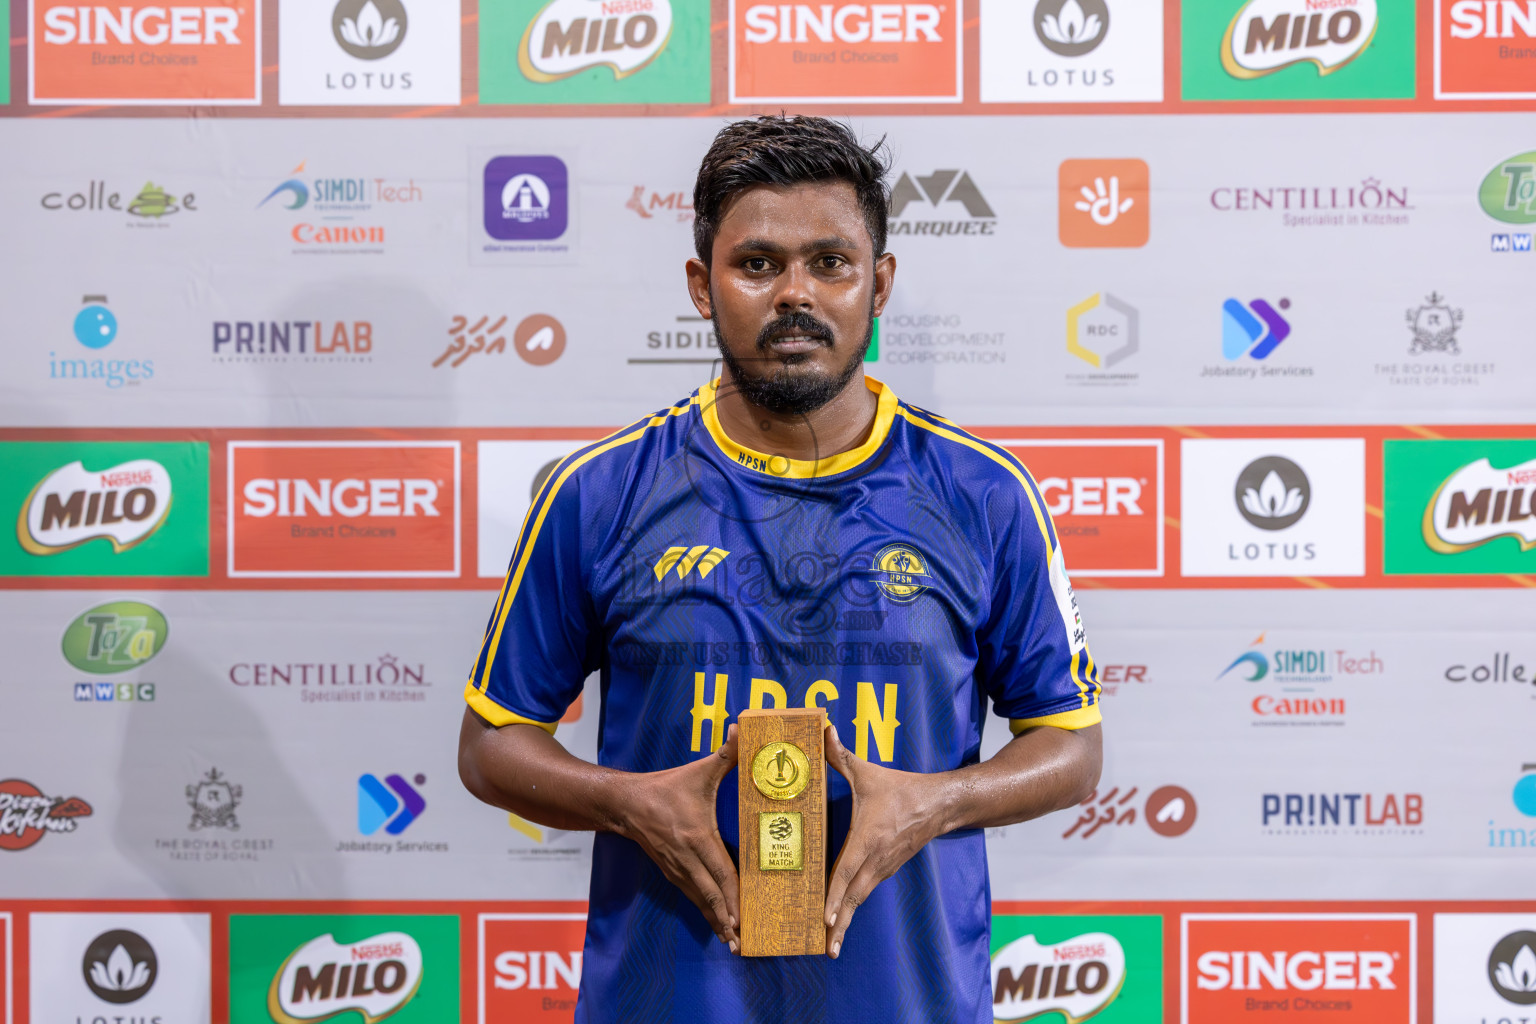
323, 978
570, 36
125, 504
1478, 503
1076, 978
1267, 35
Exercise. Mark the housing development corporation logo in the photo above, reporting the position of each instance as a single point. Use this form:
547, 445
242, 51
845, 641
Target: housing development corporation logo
1104, 203
1108, 968
1460, 506
1483, 49
26, 814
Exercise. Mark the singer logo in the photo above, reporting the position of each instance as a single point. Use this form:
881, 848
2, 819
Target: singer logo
145, 53
343, 509
530, 966
860, 53
1106, 499
1353, 967
1483, 49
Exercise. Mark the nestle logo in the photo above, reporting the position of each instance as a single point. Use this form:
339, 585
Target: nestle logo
137, 478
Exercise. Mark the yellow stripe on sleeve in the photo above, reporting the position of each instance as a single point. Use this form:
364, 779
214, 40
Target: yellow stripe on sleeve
1077, 718
498, 715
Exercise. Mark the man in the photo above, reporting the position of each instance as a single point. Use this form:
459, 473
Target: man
790, 535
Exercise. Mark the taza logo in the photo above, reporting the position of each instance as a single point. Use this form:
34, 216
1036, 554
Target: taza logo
1077, 977
369, 29
1512, 968
1070, 28
114, 637
1477, 504
1273, 492
570, 36
1267, 35
120, 966
1508, 192
324, 978
70, 506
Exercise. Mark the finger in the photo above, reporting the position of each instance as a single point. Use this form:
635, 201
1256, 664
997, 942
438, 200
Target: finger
723, 873
853, 898
724, 759
850, 861
711, 901
837, 754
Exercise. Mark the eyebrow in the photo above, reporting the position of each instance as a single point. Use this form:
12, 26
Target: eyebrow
747, 245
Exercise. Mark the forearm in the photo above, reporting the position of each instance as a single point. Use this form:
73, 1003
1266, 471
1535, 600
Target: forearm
1039, 771
525, 770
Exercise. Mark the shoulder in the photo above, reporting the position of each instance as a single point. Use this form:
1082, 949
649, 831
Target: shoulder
601, 467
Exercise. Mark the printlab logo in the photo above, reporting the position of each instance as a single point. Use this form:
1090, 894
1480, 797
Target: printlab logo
369, 29
936, 190
1273, 493
279, 341
1104, 203
538, 339
1512, 968
120, 966
526, 198
392, 804
1070, 29
1317, 814
1103, 330
1170, 811
1254, 330
26, 815
213, 800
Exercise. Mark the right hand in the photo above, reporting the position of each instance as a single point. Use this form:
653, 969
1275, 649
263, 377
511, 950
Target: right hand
672, 817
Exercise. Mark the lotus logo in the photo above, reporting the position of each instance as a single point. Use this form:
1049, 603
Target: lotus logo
1071, 28
1512, 968
370, 30
120, 966
1273, 493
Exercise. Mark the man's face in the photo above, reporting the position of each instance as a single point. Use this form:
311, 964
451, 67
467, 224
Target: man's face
793, 288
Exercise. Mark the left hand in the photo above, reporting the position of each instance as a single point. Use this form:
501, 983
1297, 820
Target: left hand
895, 813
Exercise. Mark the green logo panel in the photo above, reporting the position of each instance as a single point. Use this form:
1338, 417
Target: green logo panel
557, 51
104, 508
1382, 69
1459, 506
1061, 970
350, 969
5, 55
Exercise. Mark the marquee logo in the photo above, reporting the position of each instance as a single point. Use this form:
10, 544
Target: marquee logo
931, 190
570, 36
114, 637
125, 505
1267, 35
1077, 977
145, 53
1105, 499
26, 815
323, 978
1483, 49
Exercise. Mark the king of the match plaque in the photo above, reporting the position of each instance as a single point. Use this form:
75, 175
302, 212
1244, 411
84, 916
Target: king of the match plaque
783, 797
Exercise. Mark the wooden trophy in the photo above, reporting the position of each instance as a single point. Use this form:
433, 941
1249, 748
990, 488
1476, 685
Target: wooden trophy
782, 769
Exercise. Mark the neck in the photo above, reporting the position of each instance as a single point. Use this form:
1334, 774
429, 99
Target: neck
839, 426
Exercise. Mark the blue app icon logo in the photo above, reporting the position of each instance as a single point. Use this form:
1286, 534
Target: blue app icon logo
392, 804
1254, 330
95, 326
527, 198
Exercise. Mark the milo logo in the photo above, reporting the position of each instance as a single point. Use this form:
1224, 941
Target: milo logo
1108, 968
71, 505
114, 637
570, 36
322, 978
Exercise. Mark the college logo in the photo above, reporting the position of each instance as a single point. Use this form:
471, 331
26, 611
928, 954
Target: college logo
1459, 506
1104, 203
1102, 330
124, 504
151, 204
1267, 35
120, 966
135, 54
1169, 811
1105, 499
1508, 192
213, 801
530, 965
1107, 968
526, 198
1483, 49
343, 509
940, 187
850, 53
1353, 967
1273, 493
369, 29
26, 815
116, 637
303, 969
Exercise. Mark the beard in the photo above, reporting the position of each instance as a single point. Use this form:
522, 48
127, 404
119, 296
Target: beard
772, 382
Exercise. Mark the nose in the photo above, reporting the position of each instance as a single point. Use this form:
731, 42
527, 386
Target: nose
794, 290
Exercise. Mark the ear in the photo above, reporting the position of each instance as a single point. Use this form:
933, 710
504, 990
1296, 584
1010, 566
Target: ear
698, 287
885, 280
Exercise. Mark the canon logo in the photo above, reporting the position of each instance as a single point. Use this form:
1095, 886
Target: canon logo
1092, 495
1333, 969
148, 26
516, 969
846, 23
351, 497
1493, 19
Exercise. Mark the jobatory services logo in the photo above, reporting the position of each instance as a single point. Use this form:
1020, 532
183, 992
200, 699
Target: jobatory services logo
1169, 811
303, 969
1273, 507
144, 54
1297, 49
1483, 50
1103, 330
27, 814
907, 52
933, 204
95, 328
368, 53
343, 509
126, 967
1106, 968
1106, 499
108, 508
1360, 968
1071, 51
391, 804
1253, 329
1485, 966
1463, 506
530, 965
1104, 203
1298, 683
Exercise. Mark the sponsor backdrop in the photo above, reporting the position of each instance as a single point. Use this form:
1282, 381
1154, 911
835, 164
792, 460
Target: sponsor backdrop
306, 297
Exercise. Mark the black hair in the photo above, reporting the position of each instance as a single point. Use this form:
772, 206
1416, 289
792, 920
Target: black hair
780, 149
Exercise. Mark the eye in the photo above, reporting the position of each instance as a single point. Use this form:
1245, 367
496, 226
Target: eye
830, 262
756, 264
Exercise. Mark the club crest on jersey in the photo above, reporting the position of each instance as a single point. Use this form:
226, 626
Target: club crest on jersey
901, 572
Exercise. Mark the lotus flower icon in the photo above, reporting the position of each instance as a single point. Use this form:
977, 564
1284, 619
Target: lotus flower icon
120, 974
120, 966
1273, 499
370, 31
1070, 26
1519, 974
1272, 492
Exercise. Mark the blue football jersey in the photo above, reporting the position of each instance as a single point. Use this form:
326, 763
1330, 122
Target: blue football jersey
900, 586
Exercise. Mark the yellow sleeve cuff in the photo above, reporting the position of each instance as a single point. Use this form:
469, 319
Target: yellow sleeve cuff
498, 715
1077, 718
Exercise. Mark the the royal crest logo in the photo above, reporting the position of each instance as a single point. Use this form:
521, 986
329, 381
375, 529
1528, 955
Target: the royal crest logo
1434, 326
1477, 504
1267, 35
213, 801
26, 815
1077, 977
569, 36
323, 978
901, 572
72, 505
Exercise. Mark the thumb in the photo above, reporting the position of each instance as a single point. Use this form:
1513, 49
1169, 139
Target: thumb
837, 754
724, 759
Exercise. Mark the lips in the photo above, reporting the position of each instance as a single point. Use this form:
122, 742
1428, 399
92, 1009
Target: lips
792, 344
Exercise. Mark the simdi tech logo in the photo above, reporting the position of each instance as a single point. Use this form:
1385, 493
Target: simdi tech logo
368, 52
303, 969
341, 216
143, 54
1106, 968
907, 52
1071, 51
1104, 203
594, 51
1297, 49
1459, 506
1484, 49
343, 509
530, 966
110, 508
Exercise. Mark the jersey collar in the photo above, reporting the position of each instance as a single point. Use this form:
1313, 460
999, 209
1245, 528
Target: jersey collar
801, 469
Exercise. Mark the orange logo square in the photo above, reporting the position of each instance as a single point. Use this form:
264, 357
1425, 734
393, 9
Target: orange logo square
145, 53
1105, 499
1104, 204
845, 52
530, 967
343, 509
1483, 50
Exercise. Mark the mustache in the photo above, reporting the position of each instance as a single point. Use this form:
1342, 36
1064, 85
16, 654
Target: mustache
798, 322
